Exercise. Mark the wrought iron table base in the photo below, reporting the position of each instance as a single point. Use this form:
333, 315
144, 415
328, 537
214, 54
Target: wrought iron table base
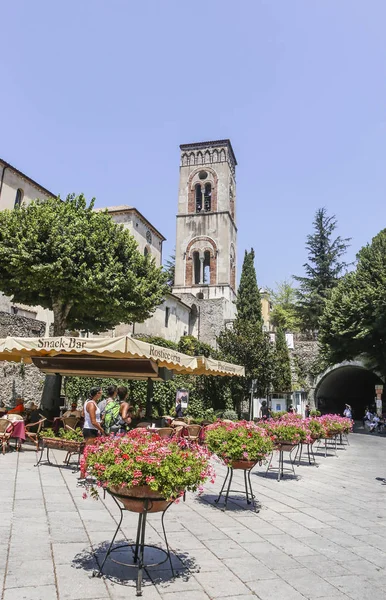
281, 467
248, 488
138, 548
310, 453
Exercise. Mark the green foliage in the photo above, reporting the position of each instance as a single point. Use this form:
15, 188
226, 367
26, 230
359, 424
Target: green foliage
248, 301
354, 321
75, 435
188, 344
284, 310
78, 263
322, 271
48, 433
316, 428
231, 415
281, 379
170, 269
246, 344
159, 341
238, 441
315, 413
278, 414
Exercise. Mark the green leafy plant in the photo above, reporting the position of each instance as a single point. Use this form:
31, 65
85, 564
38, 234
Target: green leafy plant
315, 413
230, 414
238, 441
76, 435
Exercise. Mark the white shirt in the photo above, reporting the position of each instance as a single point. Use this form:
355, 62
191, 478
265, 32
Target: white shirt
87, 418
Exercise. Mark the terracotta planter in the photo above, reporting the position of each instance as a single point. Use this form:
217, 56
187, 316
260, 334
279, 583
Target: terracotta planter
245, 465
331, 436
133, 498
286, 446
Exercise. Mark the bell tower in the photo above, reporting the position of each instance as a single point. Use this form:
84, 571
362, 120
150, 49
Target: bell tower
205, 272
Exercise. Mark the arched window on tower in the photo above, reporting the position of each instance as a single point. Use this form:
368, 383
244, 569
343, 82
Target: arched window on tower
198, 197
196, 268
208, 197
207, 267
19, 197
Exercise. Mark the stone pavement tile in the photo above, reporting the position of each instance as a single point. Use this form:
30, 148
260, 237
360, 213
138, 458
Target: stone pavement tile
65, 553
164, 582
29, 573
357, 587
205, 561
221, 584
321, 565
272, 557
274, 589
307, 583
340, 537
367, 552
79, 583
193, 595
186, 541
29, 551
42, 592
228, 550
241, 534
249, 569
362, 567
124, 591
290, 545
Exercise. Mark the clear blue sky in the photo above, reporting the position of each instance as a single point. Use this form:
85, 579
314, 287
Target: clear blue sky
97, 95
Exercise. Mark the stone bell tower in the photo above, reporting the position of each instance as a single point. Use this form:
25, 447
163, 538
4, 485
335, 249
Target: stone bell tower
205, 273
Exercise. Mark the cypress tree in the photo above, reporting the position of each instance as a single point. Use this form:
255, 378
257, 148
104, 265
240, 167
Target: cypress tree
246, 343
281, 380
248, 301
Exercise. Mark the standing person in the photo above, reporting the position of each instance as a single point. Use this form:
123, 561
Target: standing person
111, 395
291, 409
92, 415
307, 411
179, 410
117, 413
265, 413
347, 411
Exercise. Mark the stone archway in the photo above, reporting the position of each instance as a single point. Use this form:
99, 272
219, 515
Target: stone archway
349, 382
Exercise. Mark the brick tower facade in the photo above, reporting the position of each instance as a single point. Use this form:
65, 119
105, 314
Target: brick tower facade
205, 273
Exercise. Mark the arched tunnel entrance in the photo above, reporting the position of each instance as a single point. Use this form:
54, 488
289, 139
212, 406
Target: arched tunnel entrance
348, 383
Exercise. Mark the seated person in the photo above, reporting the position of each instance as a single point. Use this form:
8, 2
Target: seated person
73, 412
19, 408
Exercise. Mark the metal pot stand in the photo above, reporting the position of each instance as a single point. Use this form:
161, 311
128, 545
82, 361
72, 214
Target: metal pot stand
247, 487
138, 548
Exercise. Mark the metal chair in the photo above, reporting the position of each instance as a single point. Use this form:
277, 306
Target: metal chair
166, 432
6, 430
193, 432
32, 431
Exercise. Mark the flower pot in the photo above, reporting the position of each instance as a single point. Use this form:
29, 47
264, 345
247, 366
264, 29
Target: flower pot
245, 465
133, 498
285, 446
61, 444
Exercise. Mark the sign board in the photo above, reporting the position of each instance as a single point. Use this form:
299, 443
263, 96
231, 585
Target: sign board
183, 395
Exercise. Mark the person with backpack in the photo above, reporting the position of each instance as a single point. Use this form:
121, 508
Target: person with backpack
265, 413
117, 413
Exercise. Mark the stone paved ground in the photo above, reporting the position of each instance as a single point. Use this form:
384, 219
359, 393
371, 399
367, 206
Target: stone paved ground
321, 536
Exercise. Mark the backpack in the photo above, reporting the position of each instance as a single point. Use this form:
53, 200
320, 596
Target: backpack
113, 421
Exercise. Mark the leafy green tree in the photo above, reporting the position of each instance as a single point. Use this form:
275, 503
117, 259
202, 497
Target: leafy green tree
281, 379
323, 269
246, 343
284, 310
354, 320
64, 256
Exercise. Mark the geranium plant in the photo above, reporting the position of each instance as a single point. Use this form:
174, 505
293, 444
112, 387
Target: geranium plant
238, 441
315, 428
141, 458
334, 424
289, 429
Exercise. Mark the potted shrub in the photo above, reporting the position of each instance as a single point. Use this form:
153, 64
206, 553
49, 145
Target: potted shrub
335, 425
240, 445
315, 428
64, 440
287, 432
141, 465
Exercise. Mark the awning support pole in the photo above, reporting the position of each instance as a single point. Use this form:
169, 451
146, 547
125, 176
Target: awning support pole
149, 397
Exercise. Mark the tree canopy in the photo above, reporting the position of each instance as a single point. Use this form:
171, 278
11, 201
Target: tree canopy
284, 307
64, 256
246, 343
323, 269
281, 377
354, 321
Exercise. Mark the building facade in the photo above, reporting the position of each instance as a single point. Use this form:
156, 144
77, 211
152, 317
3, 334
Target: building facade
206, 237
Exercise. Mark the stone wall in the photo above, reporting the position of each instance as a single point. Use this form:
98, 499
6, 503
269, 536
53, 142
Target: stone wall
18, 379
